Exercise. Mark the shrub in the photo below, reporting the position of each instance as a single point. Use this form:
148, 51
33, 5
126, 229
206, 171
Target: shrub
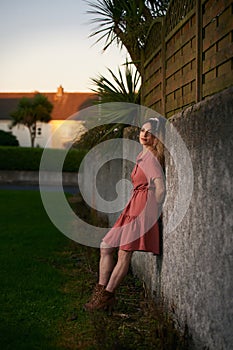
8, 139
99, 134
25, 158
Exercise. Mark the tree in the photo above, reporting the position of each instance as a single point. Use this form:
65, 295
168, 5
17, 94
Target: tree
30, 111
126, 22
125, 89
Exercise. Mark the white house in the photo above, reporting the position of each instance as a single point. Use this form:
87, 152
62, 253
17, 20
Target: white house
60, 130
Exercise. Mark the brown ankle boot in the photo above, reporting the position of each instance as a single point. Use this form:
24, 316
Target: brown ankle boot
99, 288
104, 301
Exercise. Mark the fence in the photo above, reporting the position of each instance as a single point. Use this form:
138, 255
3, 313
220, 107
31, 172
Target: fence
188, 55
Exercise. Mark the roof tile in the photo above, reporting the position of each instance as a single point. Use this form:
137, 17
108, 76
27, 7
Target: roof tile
65, 104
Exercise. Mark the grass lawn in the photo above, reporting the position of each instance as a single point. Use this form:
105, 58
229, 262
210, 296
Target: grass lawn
31, 294
45, 280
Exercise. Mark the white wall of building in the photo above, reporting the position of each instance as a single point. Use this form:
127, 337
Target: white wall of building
55, 134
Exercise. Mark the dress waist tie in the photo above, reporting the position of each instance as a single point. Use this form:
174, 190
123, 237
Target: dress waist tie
140, 189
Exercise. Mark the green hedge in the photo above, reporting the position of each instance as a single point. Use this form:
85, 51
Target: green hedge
25, 158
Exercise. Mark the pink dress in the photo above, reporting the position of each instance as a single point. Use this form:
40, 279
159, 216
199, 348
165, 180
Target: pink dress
137, 227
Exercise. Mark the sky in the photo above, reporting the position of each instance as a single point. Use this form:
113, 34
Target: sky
46, 43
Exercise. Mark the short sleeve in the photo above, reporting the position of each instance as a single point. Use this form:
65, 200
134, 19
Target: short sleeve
152, 168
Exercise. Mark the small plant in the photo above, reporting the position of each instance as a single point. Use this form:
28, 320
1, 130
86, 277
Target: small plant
8, 139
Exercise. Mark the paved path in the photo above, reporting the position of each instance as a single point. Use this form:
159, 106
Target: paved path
67, 189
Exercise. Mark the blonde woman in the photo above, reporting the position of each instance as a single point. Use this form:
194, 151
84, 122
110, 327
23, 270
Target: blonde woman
137, 227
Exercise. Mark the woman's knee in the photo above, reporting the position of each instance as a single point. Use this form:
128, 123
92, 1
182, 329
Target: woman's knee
106, 249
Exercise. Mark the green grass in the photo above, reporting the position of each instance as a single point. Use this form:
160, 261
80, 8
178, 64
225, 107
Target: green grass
46, 279
31, 285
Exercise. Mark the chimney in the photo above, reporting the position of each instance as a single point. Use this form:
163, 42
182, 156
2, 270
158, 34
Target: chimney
60, 91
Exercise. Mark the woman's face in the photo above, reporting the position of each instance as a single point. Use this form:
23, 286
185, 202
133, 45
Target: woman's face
146, 137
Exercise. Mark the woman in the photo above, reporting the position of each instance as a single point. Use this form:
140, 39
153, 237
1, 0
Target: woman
137, 227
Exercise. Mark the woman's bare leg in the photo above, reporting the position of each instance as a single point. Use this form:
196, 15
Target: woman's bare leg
120, 270
110, 277
106, 263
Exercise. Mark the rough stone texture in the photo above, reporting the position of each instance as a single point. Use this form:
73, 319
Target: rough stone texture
98, 183
194, 273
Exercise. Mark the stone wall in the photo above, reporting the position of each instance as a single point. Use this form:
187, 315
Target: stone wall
194, 273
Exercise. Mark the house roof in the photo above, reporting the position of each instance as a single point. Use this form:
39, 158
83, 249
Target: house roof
65, 104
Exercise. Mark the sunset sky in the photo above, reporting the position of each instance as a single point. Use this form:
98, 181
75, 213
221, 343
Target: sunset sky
45, 43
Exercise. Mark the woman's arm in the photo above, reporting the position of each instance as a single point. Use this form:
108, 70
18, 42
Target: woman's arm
159, 189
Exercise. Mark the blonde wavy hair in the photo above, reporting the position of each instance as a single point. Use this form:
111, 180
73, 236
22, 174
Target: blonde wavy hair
157, 128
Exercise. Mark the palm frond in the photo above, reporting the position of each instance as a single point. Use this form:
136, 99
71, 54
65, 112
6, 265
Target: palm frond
120, 87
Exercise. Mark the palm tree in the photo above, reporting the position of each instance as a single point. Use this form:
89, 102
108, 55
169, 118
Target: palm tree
125, 89
30, 111
126, 22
